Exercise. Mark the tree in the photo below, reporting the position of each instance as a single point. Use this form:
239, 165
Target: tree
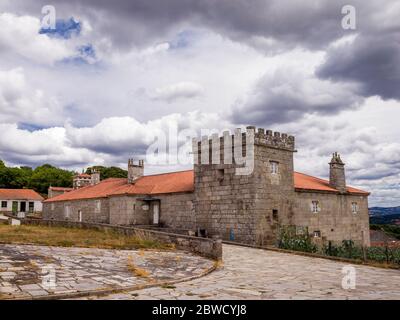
108, 172
44, 176
14, 177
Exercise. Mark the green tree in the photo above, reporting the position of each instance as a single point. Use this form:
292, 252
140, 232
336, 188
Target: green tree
109, 172
44, 176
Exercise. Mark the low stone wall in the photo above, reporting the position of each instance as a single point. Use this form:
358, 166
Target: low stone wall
210, 248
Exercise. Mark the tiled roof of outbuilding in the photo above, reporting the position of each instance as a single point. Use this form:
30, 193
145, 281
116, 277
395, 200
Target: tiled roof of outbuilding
173, 182
61, 188
19, 194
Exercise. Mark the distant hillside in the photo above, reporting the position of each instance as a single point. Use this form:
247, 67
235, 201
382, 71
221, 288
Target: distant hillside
381, 215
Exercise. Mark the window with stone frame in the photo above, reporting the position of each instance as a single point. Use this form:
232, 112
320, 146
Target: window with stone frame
275, 214
220, 175
317, 234
274, 167
67, 212
97, 207
315, 206
354, 207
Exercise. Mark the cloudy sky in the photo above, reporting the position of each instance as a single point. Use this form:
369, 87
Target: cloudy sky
113, 74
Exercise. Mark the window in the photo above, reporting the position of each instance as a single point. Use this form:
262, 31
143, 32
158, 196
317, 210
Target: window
97, 207
31, 207
275, 214
220, 175
317, 234
315, 208
274, 166
66, 212
4, 204
52, 206
354, 207
80, 215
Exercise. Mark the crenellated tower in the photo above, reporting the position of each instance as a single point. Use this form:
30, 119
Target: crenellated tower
244, 183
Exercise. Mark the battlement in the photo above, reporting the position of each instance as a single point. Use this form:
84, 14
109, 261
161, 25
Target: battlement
135, 170
132, 163
216, 149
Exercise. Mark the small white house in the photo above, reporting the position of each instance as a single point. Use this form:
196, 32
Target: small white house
20, 201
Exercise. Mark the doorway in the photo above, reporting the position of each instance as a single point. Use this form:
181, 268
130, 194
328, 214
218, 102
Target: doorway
156, 213
15, 207
22, 206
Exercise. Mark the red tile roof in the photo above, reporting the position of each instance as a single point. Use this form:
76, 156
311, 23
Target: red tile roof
304, 182
61, 189
19, 194
175, 182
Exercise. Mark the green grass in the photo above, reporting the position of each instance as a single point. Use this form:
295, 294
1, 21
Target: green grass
74, 237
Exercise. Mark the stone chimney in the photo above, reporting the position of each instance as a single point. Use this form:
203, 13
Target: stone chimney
94, 177
337, 177
135, 170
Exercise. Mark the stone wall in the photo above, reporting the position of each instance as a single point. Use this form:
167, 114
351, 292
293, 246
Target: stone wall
122, 210
335, 219
92, 210
210, 248
177, 210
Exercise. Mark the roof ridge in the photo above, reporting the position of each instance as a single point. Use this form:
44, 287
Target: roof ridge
160, 174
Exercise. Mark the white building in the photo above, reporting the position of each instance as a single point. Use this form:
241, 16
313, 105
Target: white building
20, 201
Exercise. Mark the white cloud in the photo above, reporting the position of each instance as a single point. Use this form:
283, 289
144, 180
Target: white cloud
20, 35
176, 91
126, 135
19, 102
41, 146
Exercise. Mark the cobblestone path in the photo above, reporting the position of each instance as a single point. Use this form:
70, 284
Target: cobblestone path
28, 270
258, 274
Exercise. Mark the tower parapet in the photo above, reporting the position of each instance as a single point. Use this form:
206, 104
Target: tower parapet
207, 149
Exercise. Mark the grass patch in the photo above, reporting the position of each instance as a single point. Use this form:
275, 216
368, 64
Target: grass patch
75, 237
168, 286
139, 272
218, 264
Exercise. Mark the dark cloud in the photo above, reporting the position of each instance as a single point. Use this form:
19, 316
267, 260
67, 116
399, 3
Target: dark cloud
286, 96
268, 25
372, 61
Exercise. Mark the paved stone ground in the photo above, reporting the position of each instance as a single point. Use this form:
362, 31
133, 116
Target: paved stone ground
23, 268
258, 274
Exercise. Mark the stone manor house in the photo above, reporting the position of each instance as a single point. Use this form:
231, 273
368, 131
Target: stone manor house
213, 200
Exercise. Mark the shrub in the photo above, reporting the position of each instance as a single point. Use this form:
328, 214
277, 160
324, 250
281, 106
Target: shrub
290, 241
